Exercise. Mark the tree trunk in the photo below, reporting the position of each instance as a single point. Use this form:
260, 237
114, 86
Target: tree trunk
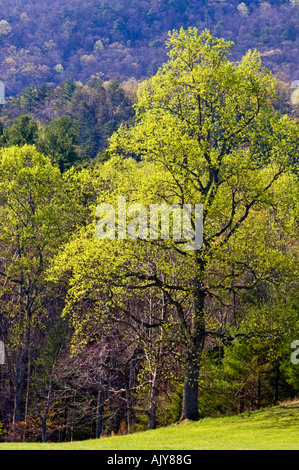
190, 394
20, 387
44, 429
21, 375
152, 412
129, 404
276, 385
259, 391
18, 401
100, 412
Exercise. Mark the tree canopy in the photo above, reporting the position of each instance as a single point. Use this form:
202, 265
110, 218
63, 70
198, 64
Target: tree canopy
206, 133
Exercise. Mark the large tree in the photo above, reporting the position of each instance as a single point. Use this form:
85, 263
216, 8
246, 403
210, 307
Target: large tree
206, 133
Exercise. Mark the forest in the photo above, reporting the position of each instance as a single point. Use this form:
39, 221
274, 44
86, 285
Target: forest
112, 336
48, 42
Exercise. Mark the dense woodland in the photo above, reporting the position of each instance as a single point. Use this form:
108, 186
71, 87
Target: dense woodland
76, 119
115, 336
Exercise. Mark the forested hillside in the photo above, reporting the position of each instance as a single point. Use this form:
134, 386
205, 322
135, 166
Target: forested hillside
44, 41
84, 60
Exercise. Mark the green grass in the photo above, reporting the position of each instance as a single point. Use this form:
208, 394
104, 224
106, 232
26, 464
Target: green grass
274, 428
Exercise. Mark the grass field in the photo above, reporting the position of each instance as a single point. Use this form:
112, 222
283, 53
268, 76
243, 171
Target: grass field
274, 428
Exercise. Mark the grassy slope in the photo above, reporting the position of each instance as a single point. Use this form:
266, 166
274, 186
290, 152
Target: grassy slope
268, 429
